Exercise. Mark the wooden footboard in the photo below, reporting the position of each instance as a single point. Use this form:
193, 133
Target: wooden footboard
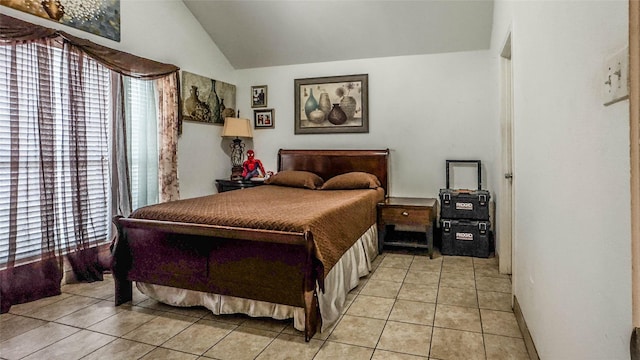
273, 266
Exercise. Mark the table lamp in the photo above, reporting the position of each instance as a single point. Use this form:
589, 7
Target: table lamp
236, 127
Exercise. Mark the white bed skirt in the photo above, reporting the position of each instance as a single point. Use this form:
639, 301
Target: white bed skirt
343, 277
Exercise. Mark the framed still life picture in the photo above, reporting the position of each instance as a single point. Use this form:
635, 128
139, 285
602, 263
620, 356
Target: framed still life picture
259, 96
263, 119
333, 104
206, 100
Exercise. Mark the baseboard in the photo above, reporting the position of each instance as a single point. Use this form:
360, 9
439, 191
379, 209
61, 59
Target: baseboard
528, 340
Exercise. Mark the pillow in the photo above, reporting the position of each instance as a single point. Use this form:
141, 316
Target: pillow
352, 180
296, 178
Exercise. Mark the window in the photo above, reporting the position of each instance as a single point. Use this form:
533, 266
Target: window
142, 140
54, 149
54, 171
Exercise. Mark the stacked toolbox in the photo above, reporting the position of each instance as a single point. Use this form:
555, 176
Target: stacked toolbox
464, 218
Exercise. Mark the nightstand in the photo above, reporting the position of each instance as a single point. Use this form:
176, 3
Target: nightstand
227, 185
406, 211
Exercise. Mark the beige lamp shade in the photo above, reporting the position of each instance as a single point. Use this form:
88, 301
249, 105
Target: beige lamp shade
236, 127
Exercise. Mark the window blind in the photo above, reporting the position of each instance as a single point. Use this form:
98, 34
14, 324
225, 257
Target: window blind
142, 137
54, 175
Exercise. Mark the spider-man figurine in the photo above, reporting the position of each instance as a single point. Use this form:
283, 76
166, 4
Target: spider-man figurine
252, 167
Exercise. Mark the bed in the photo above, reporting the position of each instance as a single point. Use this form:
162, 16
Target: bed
249, 252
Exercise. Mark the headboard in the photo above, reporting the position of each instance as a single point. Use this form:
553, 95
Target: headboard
329, 163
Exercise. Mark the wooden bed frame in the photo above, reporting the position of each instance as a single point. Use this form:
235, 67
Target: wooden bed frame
265, 265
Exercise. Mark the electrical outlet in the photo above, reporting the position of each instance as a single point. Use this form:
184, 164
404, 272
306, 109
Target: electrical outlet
616, 78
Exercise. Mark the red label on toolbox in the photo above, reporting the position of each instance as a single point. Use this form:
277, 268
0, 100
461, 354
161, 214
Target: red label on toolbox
464, 206
464, 236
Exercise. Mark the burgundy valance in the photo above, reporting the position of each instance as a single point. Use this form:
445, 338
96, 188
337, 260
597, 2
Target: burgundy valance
14, 30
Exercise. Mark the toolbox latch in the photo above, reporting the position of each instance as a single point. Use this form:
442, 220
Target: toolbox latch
446, 198
483, 199
482, 227
446, 225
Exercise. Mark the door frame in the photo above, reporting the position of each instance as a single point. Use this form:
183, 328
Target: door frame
505, 207
634, 137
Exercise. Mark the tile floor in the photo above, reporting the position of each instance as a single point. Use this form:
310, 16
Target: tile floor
410, 307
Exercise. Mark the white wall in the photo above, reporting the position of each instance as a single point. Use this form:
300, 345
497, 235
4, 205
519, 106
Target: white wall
572, 269
424, 108
166, 31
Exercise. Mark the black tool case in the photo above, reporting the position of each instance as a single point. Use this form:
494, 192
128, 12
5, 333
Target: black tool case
464, 204
466, 238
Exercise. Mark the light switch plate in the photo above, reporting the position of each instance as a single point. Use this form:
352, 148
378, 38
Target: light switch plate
616, 78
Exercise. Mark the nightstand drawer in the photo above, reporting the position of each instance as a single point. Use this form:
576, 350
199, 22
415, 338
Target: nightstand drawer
406, 215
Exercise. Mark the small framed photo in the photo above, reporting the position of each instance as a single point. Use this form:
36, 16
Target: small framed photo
263, 119
259, 96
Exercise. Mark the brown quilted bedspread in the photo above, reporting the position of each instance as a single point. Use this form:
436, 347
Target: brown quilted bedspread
336, 218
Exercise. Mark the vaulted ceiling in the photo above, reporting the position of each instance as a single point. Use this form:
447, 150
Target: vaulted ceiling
270, 33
